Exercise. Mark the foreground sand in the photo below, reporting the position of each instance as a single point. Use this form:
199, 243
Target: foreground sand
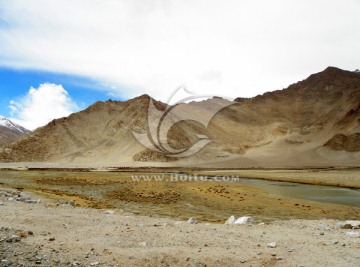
85, 237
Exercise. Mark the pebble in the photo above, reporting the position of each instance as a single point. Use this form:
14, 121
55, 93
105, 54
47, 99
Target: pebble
231, 220
192, 220
32, 201
348, 225
95, 263
272, 245
142, 244
244, 220
15, 238
109, 212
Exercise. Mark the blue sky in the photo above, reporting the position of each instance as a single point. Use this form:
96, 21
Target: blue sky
15, 84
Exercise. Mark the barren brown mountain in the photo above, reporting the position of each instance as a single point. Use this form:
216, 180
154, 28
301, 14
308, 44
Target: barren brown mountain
315, 122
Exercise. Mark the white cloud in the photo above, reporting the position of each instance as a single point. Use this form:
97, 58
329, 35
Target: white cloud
41, 105
222, 47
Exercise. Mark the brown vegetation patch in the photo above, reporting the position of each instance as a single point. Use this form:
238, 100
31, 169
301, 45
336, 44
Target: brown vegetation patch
80, 200
128, 195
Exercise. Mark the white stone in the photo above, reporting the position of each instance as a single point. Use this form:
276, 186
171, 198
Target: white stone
272, 245
244, 220
231, 220
109, 212
192, 220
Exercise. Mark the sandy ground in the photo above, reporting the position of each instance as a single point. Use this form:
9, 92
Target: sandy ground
72, 236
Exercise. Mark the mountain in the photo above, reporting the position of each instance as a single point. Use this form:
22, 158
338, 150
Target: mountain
314, 122
10, 131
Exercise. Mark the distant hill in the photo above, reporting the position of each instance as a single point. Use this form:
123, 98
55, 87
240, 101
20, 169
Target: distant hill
10, 131
314, 122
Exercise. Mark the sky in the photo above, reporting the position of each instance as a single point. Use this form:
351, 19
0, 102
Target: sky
58, 57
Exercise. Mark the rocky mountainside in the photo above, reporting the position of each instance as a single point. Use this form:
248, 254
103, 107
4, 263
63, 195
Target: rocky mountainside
315, 122
10, 131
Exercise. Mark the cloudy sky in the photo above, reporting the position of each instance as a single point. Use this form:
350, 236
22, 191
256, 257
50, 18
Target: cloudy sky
59, 56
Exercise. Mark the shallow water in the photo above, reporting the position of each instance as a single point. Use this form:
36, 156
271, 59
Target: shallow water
327, 194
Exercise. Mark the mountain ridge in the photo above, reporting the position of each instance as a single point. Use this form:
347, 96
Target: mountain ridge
288, 127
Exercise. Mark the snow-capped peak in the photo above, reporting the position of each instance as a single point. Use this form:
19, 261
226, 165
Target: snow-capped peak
11, 125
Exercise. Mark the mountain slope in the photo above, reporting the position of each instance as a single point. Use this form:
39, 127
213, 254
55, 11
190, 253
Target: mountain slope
297, 126
10, 131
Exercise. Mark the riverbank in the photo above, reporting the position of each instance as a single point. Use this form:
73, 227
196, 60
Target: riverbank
339, 177
209, 201
76, 236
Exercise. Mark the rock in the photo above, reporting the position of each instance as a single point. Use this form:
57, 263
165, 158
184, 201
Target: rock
272, 245
32, 201
23, 234
244, 220
22, 199
192, 220
52, 239
231, 220
61, 202
353, 234
95, 263
348, 225
72, 203
142, 244
15, 238
109, 212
